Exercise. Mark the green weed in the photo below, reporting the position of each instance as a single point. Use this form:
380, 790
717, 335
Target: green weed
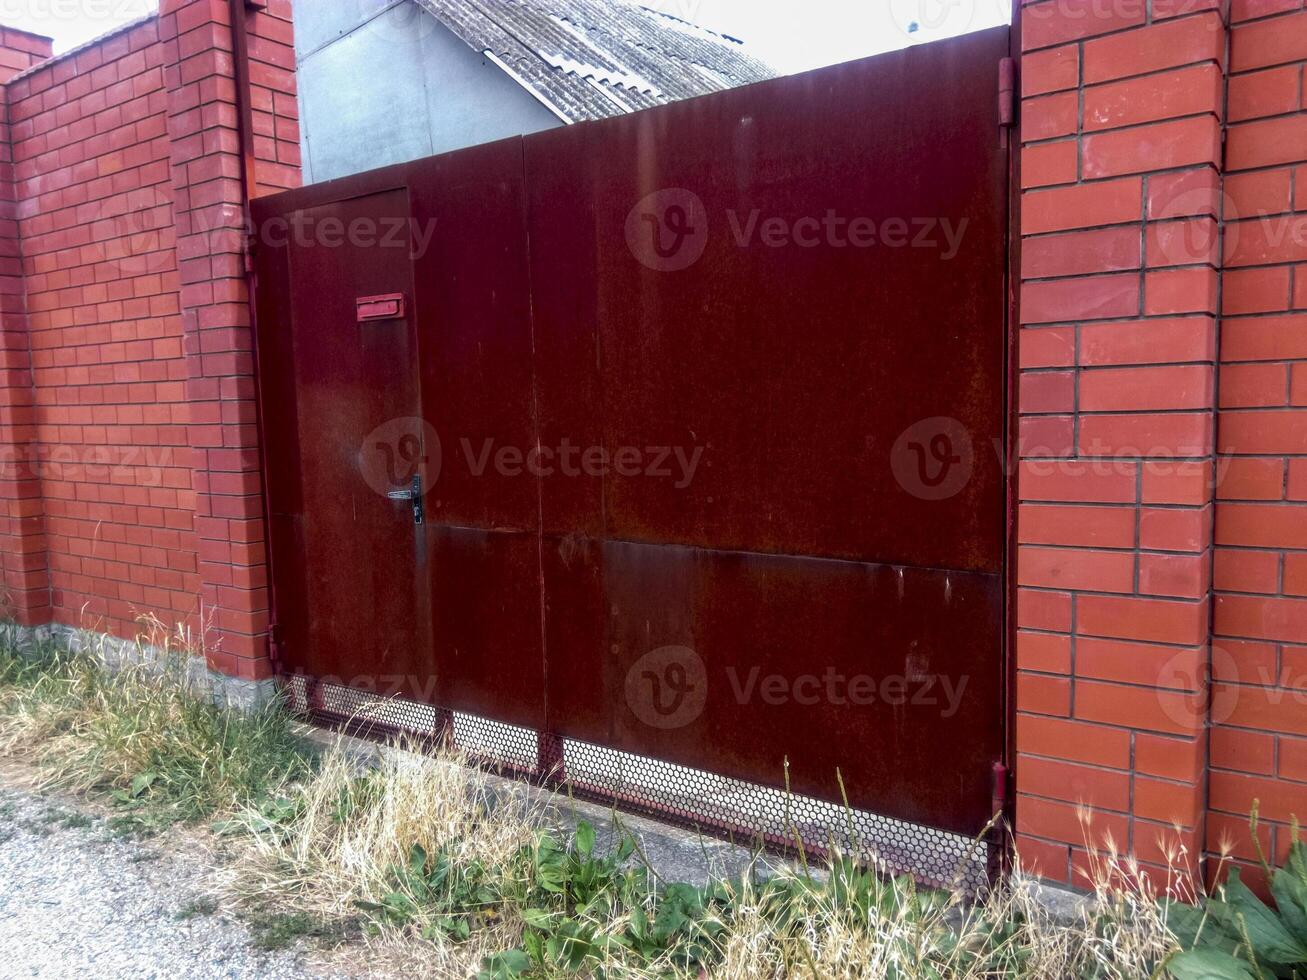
197, 907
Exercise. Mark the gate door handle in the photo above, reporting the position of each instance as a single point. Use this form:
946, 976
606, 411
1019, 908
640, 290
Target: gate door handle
413, 495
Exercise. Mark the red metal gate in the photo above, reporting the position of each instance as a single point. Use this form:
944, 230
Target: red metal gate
665, 452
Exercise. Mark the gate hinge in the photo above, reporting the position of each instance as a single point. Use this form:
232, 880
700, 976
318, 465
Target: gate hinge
274, 647
1007, 83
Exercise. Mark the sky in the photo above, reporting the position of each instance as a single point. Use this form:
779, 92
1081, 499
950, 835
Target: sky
73, 22
798, 36
790, 36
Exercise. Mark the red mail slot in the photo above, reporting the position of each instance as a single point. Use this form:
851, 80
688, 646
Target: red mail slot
388, 307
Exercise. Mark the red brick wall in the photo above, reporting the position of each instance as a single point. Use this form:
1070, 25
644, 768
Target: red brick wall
1259, 698
133, 485
218, 343
273, 104
1123, 106
25, 584
90, 157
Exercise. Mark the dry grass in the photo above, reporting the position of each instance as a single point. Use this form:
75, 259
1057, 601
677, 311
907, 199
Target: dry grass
1119, 935
350, 831
332, 842
324, 839
141, 727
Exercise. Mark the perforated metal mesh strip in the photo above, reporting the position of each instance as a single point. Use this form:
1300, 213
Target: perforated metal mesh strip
745, 812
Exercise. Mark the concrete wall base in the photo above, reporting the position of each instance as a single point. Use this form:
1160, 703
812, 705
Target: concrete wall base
115, 652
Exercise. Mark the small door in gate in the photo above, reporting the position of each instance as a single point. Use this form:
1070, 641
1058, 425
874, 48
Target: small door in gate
347, 451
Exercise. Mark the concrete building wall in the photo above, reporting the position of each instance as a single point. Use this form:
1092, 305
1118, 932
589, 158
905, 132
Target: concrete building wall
385, 82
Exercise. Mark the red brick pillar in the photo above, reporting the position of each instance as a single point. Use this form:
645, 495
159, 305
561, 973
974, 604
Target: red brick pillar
209, 195
1259, 663
1121, 129
20, 50
274, 108
24, 574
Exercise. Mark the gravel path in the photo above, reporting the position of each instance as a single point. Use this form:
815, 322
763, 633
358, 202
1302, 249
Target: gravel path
78, 901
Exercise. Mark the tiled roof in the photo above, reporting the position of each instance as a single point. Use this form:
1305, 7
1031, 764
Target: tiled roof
588, 59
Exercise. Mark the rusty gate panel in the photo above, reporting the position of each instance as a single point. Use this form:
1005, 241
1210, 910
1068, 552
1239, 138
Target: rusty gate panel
471, 277
812, 386
486, 623
475, 360
795, 369
871, 669
707, 406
